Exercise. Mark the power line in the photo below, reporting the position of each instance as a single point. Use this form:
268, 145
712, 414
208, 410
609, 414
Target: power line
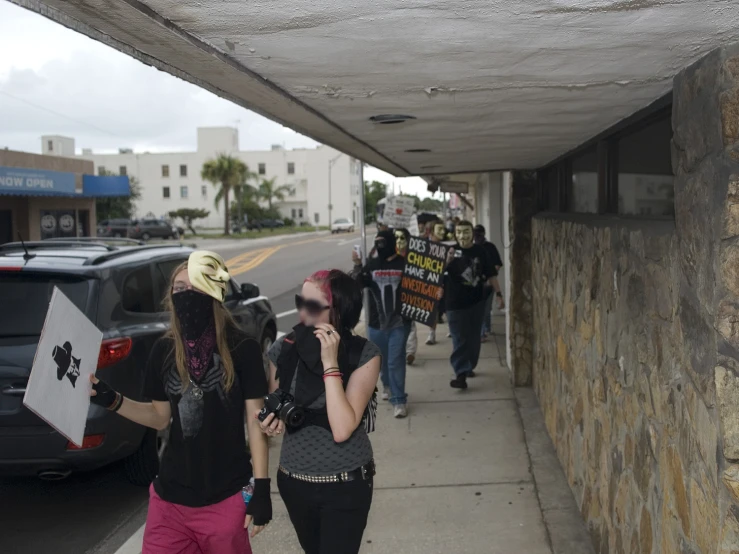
43, 108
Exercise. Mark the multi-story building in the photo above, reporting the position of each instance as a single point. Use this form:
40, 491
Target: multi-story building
317, 177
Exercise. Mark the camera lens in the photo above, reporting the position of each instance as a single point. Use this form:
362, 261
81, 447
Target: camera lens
292, 415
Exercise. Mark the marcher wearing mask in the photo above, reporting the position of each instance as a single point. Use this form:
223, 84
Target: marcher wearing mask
467, 271
437, 234
402, 236
387, 328
203, 375
326, 463
494, 255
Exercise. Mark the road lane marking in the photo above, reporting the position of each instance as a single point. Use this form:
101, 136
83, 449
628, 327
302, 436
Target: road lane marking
289, 312
134, 543
280, 334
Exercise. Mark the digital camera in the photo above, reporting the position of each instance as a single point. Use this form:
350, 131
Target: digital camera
283, 405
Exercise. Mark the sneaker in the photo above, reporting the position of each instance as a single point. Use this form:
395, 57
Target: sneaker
459, 382
385, 393
410, 358
432, 338
400, 411
448, 335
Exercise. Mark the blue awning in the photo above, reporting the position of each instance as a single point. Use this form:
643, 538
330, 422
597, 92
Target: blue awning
36, 182
105, 185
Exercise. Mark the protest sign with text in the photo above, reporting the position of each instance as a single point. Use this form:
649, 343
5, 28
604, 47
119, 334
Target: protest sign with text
399, 211
422, 285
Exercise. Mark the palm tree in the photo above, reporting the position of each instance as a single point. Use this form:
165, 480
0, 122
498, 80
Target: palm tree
227, 172
268, 191
245, 192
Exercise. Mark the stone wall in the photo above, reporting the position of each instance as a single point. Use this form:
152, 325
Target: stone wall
636, 358
523, 205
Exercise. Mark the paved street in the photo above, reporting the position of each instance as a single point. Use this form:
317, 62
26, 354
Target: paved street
96, 512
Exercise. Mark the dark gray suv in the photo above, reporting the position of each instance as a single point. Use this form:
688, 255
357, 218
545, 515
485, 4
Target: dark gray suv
146, 229
120, 287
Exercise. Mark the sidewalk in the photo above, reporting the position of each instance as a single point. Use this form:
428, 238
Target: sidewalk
468, 472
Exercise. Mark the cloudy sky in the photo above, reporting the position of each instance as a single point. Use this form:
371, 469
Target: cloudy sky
56, 81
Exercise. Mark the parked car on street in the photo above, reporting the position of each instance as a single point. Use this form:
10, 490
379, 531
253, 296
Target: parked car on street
342, 225
113, 227
146, 229
120, 287
265, 224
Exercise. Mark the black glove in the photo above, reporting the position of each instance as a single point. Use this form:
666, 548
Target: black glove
106, 396
260, 505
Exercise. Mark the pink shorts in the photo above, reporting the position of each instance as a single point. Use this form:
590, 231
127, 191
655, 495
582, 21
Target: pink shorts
215, 529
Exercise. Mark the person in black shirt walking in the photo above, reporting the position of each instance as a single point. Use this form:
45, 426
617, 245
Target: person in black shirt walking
494, 287
387, 328
468, 269
203, 376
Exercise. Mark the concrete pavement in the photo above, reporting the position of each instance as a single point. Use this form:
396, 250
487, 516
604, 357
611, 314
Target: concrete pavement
467, 472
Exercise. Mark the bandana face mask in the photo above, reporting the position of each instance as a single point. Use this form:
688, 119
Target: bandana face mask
400, 243
208, 274
463, 234
439, 231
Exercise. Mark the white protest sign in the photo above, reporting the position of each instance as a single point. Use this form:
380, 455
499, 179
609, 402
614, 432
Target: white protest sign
413, 227
398, 212
58, 389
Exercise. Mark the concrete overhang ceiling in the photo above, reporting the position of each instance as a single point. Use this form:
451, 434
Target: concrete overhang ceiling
493, 84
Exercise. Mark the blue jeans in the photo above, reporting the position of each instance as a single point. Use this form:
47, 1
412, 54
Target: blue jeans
464, 326
487, 322
391, 343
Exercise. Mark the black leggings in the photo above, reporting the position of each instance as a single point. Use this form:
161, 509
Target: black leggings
329, 518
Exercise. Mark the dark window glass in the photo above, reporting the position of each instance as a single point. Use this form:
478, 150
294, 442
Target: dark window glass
163, 275
183, 170
645, 180
165, 192
290, 168
165, 171
122, 170
25, 299
101, 170
583, 192
138, 292
262, 169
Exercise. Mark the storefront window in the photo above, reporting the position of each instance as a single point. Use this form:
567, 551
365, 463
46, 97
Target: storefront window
583, 192
645, 181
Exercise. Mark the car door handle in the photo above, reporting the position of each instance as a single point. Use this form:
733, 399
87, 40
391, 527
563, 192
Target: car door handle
10, 390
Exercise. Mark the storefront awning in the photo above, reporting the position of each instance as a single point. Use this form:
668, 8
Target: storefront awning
108, 185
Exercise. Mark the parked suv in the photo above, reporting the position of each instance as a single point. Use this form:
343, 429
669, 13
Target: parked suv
120, 288
146, 229
113, 228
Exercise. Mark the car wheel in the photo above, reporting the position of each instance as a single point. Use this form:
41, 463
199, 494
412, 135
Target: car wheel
142, 466
145, 236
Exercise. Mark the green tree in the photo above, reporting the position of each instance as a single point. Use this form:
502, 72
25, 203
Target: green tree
226, 173
118, 207
188, 215
373, 193
430, 205
269, 191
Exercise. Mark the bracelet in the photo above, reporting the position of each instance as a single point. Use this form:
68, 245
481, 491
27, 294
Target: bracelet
334, 374
115, 406
325, 371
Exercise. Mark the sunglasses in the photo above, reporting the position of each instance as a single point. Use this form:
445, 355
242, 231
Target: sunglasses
312, 307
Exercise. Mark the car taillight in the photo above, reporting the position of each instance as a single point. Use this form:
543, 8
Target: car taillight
113, 351
109, 228
90, 441
12, 268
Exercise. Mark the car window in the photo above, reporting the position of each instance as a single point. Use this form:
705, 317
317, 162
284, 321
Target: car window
163, 275
25, 299
138, 292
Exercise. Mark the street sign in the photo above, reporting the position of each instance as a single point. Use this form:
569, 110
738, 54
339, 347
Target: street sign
58, 389
459, 187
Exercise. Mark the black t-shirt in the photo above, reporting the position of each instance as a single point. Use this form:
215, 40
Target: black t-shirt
206, 460
383, 279
466, 275
493, 254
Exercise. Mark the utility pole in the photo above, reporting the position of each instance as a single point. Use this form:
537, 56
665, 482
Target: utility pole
330, 207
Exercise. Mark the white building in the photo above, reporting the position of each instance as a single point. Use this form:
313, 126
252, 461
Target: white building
170, 181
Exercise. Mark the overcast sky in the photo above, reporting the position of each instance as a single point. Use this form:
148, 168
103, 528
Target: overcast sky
57, 82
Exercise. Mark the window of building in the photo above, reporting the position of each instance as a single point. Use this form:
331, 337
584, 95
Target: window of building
290, 168
50, 145
262, 168
183, 170
204, 191
101, 170
122, 170
165, 171
645, 181
138, 292
165, 192
183, 191
294, 213
300, 213
315, 216
583, 193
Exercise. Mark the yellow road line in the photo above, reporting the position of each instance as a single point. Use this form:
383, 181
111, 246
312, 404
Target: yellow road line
243, 256
257, 261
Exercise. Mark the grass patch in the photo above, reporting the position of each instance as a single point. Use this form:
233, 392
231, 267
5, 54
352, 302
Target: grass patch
263, 233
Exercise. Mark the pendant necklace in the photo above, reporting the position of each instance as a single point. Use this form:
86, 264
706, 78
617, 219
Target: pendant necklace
195, 391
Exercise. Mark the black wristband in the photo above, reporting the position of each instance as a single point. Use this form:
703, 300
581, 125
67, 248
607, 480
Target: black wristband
106, 396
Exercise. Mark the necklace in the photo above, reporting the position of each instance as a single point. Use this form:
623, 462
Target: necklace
195, 391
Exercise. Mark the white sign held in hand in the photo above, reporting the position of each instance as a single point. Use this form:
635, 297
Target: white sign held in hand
58, 389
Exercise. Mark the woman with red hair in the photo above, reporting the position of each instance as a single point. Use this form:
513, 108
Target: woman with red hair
326, 466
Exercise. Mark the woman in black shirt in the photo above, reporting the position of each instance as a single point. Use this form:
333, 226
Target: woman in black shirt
326, 463
203, 376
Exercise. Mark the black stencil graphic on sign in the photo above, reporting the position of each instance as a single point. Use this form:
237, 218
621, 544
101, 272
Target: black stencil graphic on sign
66, 364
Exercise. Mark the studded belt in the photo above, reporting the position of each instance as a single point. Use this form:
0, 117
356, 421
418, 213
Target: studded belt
367, 471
